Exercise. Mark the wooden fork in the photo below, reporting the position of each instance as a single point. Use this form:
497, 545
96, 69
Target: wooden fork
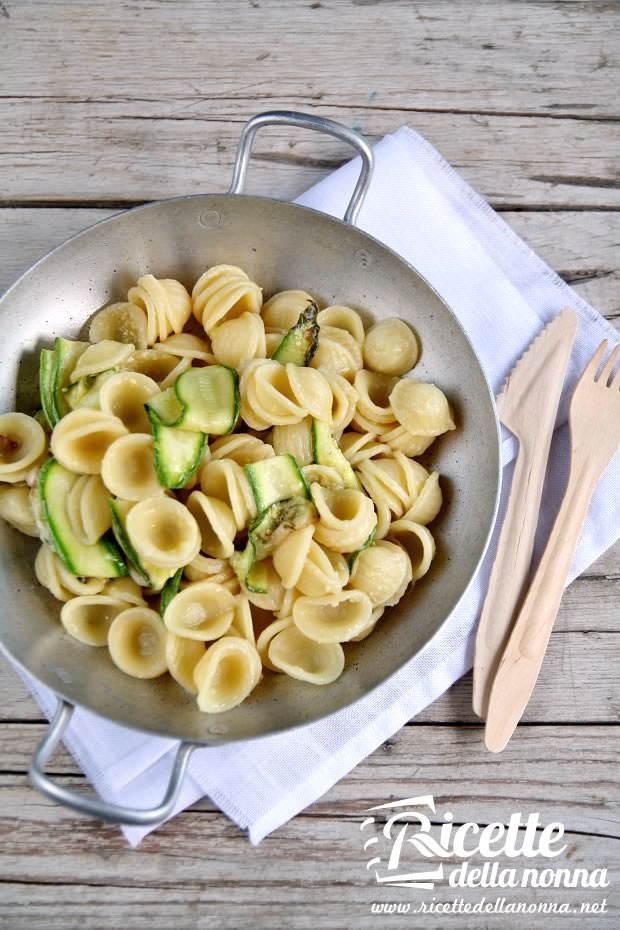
594, 422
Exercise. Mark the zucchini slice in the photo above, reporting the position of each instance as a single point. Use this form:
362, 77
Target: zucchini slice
165, 408
326, 451
242, 562
210, 398
151, 576
177, 453
100, 560
169, 590
85, 392
276, 479
302, 340
66, 354
257, 579
46, 374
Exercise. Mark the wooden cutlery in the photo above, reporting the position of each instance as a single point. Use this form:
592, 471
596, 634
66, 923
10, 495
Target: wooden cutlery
594, 422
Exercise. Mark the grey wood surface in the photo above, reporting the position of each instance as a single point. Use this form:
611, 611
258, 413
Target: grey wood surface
108, 105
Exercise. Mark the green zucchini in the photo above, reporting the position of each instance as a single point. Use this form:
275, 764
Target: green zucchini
301, 341
210, 398
257, 579
267, 531
150, 576
85, 392
365, 545
46, 374
100, 560
276, 479
165, 408
177, 453
169, 590
66, 354
326, 451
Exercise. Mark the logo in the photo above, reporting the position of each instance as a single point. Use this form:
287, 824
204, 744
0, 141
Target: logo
397, 834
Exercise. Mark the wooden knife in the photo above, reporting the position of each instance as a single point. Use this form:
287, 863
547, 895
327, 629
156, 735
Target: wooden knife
527, 405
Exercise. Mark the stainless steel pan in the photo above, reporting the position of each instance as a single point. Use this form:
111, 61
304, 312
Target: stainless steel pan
281, 246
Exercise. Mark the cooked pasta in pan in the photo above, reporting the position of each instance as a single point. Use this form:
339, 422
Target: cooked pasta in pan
224, 487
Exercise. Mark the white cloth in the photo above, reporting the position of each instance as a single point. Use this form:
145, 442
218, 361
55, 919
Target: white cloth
502, 293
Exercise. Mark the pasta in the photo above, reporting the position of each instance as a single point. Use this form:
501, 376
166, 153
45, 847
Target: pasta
166, 303
82, 438
223, 293
346, 518
280, 395
120, 322
227, 673
204, 611
16, 508
390, 348
382, 572
271, 508
88, 618
124, 396
334, 618
239, 340
23, 445
128, 469
88, 510
163, 532
137, 643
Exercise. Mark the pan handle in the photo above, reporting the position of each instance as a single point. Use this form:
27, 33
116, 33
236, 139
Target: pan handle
318, 124
94, 807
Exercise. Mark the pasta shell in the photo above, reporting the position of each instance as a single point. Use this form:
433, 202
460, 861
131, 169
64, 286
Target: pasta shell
52, 574
373, 396
16, 508
23, 445
101, 357
346, 518
338, 351
166, 303
239, 340
302, 658
264, 640
182, 657
137, 643
428, 502
282, 311
216, 523
333, 618
419, 543
421, 408
128, 470
120, 322
319, 575
383, 572
226, 481
223, 293
88, 509
289, 558
124, 396
341, 317
241, 448
82, 437
89, 618
227, 674
202, 611
296, 439
390, 347
163, 532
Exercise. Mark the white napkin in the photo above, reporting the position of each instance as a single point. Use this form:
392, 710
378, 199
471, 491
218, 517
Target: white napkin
502, 293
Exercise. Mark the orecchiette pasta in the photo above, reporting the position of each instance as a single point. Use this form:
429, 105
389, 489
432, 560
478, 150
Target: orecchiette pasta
278, 395
88, 509
128, 470
102, 356
182, 657
342, 317
223, 293
204, 610
124, 396
346, 518
120, 322
338, 351
239, 340
390, 348
23, 444
163, 532
225, 480
333, 618
282, 311
303, 658
382, 571
166, 303
82, 438
16, 508
227, 673
270, 508
241, 448
88, 618
137, 643
296, 439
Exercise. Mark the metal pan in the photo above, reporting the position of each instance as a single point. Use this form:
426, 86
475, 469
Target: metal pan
281, 246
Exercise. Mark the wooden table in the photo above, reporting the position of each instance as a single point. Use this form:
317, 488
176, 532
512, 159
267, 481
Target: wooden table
108, 105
